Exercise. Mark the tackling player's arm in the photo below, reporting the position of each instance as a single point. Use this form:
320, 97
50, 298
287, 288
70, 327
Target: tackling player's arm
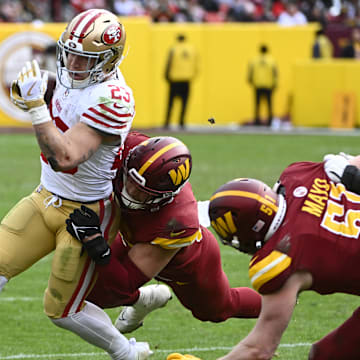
276, 312
151, 259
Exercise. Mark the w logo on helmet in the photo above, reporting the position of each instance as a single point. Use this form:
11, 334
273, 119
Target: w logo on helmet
224, 226
181, 174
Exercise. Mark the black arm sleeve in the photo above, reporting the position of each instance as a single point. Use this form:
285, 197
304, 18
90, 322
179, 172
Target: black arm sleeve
351, 178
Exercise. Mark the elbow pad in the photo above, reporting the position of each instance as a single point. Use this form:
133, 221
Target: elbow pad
351, 178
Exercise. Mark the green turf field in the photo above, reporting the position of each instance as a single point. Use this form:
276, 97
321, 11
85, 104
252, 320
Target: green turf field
26, 333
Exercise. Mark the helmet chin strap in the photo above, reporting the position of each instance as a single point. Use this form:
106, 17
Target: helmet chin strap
278, 219
78, 84
129, 201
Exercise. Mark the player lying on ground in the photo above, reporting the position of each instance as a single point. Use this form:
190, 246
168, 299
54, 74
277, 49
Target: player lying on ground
160, 237
303, 236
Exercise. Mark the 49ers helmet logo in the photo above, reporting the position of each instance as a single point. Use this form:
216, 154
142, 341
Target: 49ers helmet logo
111, 35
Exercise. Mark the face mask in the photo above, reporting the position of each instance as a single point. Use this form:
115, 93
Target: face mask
129, 202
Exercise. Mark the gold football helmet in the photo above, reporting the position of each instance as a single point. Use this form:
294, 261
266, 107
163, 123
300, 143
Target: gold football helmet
90, 48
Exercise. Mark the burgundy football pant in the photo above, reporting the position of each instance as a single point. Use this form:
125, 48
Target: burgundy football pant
200, 284
341, 343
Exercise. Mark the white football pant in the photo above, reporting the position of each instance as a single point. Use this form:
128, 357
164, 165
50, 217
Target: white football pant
94, 326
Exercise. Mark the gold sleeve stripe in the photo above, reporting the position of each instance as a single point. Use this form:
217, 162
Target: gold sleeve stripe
252, 261
268, 268
179, 242
157, 155
245, 194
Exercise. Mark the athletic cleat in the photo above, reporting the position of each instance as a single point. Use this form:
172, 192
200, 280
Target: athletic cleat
151, 297
142, 349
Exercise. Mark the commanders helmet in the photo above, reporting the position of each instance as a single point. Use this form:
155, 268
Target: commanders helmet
157, 168
99, 38
245, 213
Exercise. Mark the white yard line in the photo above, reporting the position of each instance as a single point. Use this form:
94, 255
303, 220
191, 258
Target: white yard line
15, 298
166, 351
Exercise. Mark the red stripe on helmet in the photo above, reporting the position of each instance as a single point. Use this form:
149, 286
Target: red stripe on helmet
88, 24
78, 22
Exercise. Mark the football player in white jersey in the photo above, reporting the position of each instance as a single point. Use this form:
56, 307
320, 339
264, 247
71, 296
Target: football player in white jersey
80, 135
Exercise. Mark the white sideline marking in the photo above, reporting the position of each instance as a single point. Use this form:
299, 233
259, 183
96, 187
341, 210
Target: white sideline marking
169, 351
24, 298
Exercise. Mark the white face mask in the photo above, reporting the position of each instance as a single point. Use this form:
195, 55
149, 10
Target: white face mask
129, 201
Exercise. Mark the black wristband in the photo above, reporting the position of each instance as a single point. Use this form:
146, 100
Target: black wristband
351, 178
98, 250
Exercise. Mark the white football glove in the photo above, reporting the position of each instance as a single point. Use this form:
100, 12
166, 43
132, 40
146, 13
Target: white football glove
16, 97
334, 166
346, 156
28, 91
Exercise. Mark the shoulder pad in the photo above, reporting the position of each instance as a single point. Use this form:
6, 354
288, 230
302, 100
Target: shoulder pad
111, 108
263, 271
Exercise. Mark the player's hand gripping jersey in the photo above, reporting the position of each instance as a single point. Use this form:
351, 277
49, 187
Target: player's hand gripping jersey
108, 107
320, 234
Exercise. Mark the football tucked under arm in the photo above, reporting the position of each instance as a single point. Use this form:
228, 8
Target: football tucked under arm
50, 87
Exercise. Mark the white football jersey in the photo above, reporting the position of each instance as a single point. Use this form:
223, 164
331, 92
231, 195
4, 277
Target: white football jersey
108, 106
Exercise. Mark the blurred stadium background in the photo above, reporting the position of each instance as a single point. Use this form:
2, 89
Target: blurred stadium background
316, 100
310, 93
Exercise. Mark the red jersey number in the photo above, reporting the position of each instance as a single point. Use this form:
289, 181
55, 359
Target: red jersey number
119, 93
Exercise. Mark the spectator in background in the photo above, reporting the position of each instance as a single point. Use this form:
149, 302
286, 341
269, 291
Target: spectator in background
196, 11
317, 13
322, 47
352, 50
128, 8
241, 11
277, 8
263, 77
291, 16
39, 10
83, 5
160, 11
180, 70
13, 11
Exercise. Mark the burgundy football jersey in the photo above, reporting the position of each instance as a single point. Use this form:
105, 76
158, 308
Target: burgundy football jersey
319, 234
175, 225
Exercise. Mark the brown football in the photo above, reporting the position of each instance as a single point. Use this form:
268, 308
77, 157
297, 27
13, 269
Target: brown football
50, 87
